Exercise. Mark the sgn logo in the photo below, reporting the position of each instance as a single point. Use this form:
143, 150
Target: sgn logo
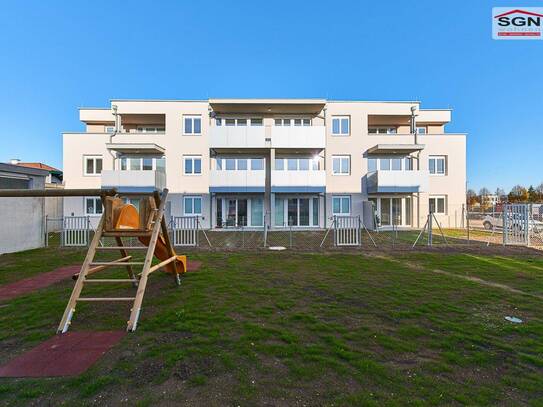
511, 23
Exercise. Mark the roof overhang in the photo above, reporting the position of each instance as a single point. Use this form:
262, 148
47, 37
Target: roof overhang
395, 148
136, 148
271, 106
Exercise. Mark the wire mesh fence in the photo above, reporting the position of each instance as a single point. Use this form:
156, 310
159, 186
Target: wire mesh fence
482, 229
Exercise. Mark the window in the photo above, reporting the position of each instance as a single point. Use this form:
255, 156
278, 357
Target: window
240, 164
192, 205
151, 129
382, 130
257, 164
421, 130
340, 125
341, 205
408, 164
256, 122
297, 164
296, 122
279, 164
93, 206
437, 204
192, 125
142, 163
192, 165
93, 165
384, 164
341, 164
437, 165
372, 164
396, 164
110, 129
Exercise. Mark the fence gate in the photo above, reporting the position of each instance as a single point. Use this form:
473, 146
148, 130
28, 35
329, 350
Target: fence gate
347, 230
75, 231
185, 230
516, 224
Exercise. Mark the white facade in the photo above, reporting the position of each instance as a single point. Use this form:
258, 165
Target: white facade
283, 162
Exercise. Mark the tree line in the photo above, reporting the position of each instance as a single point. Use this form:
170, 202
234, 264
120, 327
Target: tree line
518, 194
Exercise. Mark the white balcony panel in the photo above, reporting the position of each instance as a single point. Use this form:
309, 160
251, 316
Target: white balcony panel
397, 181
237, 179
133, 180
298, 178
298, 137
237, 137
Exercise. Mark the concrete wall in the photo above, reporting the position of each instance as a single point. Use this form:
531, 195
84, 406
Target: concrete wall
22, 224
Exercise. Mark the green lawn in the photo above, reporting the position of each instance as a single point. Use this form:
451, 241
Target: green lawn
297, 329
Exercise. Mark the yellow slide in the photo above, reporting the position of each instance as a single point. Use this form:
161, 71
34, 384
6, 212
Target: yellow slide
129, 218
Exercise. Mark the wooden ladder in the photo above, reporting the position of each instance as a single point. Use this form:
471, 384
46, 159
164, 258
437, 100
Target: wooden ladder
90, 266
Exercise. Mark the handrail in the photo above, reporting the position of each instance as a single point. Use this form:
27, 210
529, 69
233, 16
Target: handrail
19, 193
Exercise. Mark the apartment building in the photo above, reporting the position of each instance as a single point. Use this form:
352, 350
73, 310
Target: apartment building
280, 162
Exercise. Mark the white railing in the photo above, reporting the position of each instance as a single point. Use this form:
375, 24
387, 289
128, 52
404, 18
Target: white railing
232, 136
237, 178
298, 178
298, 137
138, 179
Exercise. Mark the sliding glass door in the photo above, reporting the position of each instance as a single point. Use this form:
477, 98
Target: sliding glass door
394, 211
296, 211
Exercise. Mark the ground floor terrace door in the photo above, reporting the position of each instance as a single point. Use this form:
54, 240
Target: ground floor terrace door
393, 211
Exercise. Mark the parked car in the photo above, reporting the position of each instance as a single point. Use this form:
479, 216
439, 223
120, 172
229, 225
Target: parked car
516, 219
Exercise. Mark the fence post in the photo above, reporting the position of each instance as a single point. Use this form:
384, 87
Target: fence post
430, 228
88, 230
290, 234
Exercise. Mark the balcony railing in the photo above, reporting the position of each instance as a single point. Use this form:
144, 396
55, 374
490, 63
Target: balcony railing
285, 181
129, 181
298, 137
235, 137
397, 181
237, 181
313, 137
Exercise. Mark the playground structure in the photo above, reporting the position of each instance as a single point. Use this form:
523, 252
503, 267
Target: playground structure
121, 220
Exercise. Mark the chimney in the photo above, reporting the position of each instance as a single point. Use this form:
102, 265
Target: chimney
15, 161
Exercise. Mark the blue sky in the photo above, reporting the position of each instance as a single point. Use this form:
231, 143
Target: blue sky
58, 56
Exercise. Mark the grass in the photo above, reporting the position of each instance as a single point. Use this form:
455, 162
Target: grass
325, 329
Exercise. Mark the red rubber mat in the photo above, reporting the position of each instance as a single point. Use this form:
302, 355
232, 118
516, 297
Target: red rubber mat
66, 354
27, 285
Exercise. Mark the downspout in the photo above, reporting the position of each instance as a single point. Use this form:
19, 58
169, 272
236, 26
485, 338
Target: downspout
115, 131
416, 140
325, 166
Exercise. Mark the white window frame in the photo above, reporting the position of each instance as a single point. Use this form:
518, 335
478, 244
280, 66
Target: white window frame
423, 128
341, 134
341, 198
97, 204
341, 157
436, 206
192, 158
151, 128
437, 158
192, 198
313, 163
382, 130
93, 158
129, 159
312, 209
192, 117
304, 121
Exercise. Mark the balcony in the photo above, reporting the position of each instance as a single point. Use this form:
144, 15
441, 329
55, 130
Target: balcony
313, 137
310, 137
134, 181
298, 181
397, 182
237, 181
238, 137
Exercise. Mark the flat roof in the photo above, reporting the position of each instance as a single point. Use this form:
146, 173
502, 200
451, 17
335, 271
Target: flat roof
395, 148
